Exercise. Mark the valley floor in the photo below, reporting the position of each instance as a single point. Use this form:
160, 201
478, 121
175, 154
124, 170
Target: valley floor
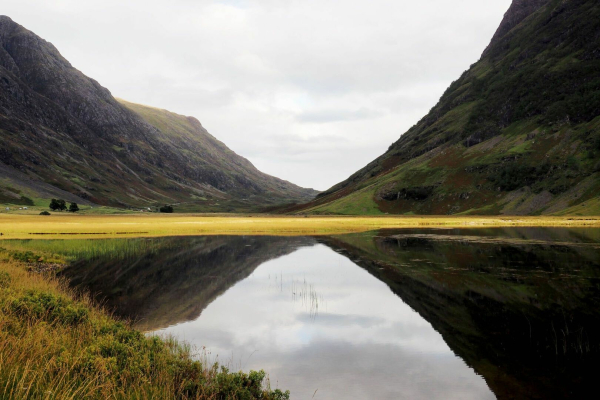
66, 226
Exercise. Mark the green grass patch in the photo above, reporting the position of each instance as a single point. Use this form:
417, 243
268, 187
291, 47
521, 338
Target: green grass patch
361, 203
522, 148
49, 307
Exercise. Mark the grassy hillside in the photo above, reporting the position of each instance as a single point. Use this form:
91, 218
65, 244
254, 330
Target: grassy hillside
251, 189
518, 133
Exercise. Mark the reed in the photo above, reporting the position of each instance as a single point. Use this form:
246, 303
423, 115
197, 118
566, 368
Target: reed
307, 295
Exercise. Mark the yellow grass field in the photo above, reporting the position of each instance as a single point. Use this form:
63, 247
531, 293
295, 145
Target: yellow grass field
104, 226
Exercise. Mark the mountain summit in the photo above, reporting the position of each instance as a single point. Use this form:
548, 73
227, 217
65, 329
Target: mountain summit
63, 134
518, 11
518, 133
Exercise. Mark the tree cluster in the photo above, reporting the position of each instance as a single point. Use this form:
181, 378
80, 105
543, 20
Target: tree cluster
61, 205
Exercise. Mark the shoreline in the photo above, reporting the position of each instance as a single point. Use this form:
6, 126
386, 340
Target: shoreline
56, 341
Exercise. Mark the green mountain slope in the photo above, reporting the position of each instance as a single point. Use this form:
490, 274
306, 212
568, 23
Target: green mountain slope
518, 133
64, 135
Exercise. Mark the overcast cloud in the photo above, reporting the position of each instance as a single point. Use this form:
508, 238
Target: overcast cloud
309, 91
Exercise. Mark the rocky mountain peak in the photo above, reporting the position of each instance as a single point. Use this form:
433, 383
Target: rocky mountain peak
518, 11
6, 24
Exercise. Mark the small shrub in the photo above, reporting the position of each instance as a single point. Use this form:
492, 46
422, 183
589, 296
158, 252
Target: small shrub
166, 209
572, 163
45, 213
559, 187
241, 385
515, 176
4, 280
49, 307
26, 257
411, 193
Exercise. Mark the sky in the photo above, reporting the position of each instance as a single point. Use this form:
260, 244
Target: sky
308, 90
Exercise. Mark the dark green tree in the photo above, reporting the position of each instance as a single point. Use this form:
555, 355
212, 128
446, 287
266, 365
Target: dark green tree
54, 204
166, 209
58, 204
73, 207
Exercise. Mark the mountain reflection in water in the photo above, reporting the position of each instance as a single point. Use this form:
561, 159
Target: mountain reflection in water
510, 313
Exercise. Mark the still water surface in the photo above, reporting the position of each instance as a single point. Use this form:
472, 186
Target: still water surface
415, 314
319, 323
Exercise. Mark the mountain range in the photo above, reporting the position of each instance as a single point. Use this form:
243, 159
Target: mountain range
64, 135
518, 133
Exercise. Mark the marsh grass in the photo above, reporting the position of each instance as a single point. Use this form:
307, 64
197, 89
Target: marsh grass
57, 250
55, 344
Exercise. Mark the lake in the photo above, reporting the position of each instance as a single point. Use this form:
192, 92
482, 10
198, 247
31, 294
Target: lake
414, 313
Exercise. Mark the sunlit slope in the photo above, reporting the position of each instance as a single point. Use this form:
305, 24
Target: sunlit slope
221, 167
518, 133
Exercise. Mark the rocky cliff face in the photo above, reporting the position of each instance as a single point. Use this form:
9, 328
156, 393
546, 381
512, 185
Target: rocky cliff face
518, 133
518, 11
60, 127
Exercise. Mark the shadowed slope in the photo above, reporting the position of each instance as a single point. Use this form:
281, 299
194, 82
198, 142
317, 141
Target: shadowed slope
62, 128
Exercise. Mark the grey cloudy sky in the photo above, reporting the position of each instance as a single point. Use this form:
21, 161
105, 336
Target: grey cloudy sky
308, 90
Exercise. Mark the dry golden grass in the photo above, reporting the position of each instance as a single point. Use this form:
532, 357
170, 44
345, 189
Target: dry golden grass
105, 226
56, 345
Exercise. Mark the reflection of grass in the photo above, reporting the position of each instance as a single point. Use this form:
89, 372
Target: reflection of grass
502, 264
302, 292
307, 295
56, 345
95, 226
77, 249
